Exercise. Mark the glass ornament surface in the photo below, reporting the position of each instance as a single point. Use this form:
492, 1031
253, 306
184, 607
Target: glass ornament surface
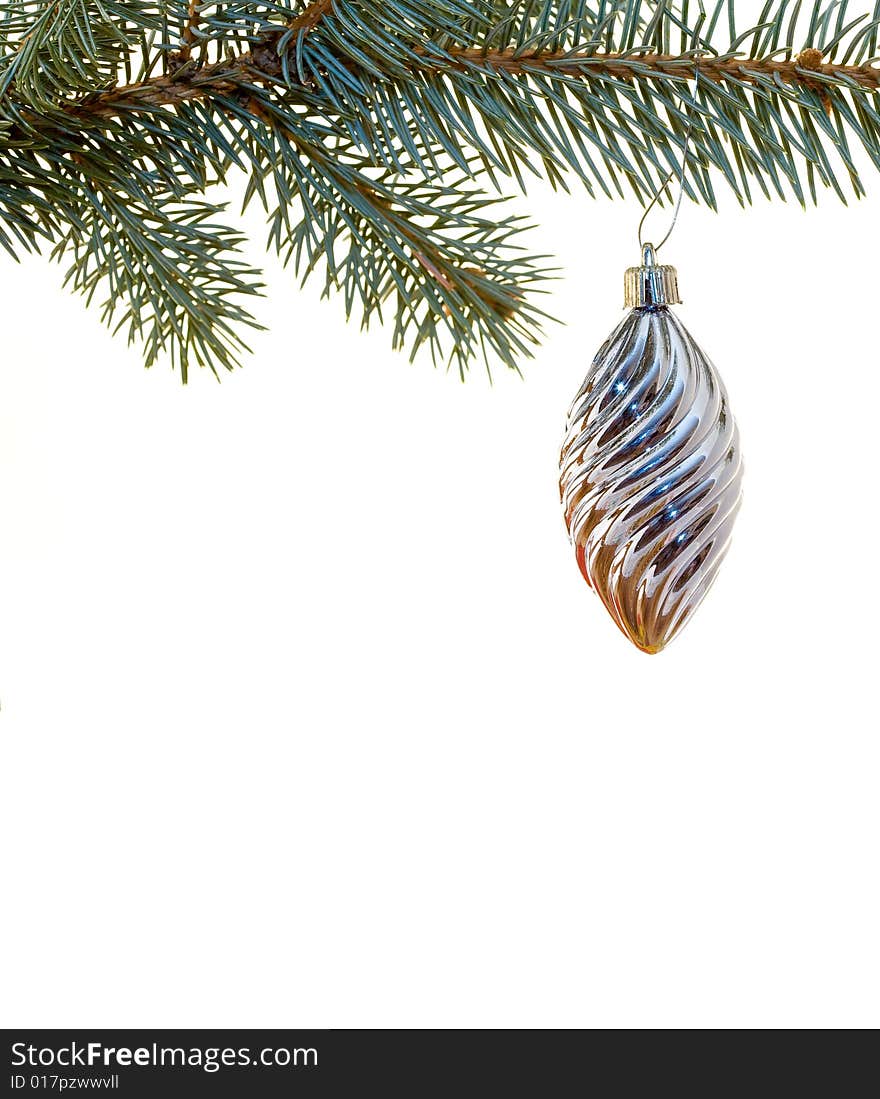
650, 470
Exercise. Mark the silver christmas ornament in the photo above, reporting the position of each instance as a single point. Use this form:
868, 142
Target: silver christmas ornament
650, 468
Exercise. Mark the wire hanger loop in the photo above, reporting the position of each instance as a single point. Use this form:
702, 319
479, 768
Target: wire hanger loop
680, 172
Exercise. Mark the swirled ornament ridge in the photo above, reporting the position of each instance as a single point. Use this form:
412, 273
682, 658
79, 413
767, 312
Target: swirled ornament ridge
651, 475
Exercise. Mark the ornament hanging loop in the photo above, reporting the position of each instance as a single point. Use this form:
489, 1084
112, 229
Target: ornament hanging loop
667, 180
680, 172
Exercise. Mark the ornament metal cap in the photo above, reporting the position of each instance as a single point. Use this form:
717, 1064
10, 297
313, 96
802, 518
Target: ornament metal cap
651, 283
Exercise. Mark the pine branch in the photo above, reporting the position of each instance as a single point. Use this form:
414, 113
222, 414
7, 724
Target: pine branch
426, 245
190, 32
309, 17
172, 273
368, 127
802, 71
797, 72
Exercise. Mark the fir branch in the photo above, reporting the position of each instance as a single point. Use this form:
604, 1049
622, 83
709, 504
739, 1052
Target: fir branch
190, 31
797, 71
425, 245
367, 128
55, 51
171, 274
217, 79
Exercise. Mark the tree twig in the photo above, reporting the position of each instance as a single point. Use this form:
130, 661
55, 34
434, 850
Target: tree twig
221, 76
310, 16
647, 66
188, 37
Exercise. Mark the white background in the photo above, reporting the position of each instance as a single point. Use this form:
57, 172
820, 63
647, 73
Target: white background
308, 717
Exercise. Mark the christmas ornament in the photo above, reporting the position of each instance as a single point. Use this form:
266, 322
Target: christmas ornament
650, 468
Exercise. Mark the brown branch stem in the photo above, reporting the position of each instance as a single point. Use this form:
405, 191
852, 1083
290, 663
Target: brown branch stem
310, 16
189, 32
648, 66
220, 77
